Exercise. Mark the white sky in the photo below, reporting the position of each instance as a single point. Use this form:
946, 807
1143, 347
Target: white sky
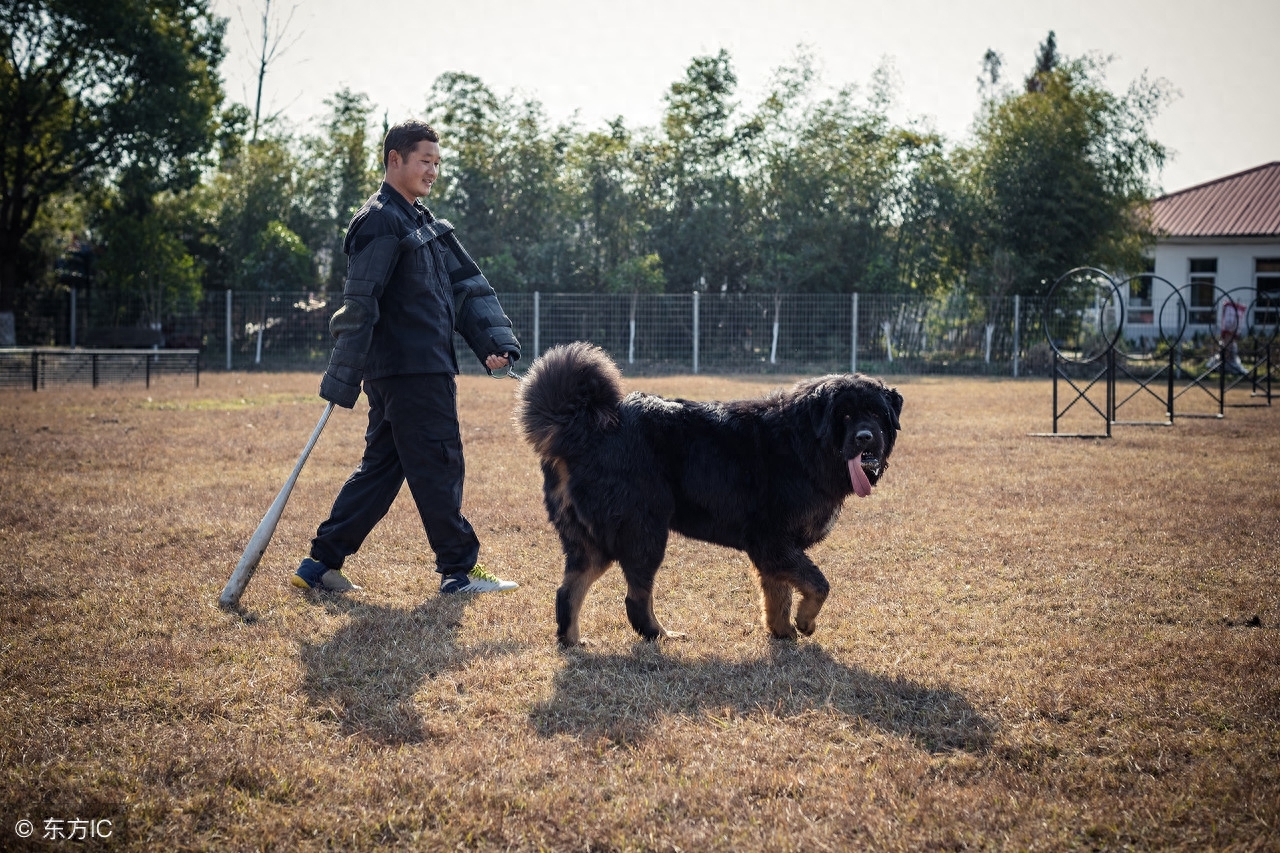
602, 58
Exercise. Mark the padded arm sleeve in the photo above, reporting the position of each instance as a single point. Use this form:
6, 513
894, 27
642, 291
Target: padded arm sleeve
480, 320
352, 325
477, 315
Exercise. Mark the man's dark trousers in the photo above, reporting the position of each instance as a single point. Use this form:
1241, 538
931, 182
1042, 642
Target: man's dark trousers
413, 435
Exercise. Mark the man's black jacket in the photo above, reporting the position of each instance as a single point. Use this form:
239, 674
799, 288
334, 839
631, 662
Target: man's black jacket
409, 285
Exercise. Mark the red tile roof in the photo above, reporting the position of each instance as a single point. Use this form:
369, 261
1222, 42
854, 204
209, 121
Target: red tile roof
1246, 204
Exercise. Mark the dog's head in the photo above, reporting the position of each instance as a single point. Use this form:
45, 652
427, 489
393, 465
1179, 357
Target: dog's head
856, 418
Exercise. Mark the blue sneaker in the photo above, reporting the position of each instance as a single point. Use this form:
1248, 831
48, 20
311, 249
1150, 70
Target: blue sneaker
313, 574
479, 579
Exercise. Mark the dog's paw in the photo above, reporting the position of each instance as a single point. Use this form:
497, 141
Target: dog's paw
788, 636
672, 635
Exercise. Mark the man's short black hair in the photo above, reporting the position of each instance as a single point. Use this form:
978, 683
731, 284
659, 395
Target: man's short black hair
405, 136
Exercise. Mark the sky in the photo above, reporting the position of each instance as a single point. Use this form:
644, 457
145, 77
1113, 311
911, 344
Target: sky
593, 60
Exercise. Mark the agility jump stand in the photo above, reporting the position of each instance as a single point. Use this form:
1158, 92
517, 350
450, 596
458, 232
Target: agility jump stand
1144, 386
1083, 317
1259, 378
1106, 375
1218, 394
1261, 375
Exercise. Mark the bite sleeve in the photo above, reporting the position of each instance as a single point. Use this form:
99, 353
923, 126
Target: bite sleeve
352, 324
478, 316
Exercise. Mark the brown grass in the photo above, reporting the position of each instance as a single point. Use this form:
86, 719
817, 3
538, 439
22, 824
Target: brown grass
1030, 644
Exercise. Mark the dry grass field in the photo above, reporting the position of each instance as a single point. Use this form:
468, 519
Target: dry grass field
1030, 644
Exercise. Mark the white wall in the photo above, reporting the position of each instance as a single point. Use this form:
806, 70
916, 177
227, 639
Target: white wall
1173, 263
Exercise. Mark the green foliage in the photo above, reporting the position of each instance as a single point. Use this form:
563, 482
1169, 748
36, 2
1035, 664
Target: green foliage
640, 274
247, 194
339, 169
95, 93
279, 260
500, 178
1059, 173
810, 190
142, 261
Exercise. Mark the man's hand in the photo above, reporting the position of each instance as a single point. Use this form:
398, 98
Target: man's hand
496, 362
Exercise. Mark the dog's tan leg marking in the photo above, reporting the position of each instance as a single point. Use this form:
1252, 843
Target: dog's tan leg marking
775, 600
569, 598
813, 588
560, 489
807, 610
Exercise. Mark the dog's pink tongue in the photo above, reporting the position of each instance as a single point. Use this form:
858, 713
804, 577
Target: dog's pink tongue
861, 485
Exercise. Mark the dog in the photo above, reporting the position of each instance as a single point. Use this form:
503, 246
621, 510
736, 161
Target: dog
766, 476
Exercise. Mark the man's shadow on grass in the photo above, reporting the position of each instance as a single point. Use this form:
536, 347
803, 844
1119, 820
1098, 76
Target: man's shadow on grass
624, 697
365, 677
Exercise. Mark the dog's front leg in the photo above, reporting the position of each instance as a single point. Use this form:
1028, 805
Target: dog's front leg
813, 588
782, 570
775, 601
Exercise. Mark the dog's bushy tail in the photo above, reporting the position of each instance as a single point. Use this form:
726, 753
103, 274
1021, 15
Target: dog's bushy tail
571, 390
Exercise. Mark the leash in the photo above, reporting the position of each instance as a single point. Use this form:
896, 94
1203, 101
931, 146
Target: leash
509, 374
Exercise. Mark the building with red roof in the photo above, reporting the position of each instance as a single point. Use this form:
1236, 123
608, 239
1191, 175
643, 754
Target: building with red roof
1216, 243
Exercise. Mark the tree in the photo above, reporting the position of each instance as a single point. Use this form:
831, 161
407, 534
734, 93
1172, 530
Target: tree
271, 49
342, 169
847, 200
607, 214
1047, 60
705, 210
500, 179
1059, 174
144, 270
90, 91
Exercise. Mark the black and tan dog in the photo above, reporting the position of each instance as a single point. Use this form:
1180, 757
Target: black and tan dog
766, 476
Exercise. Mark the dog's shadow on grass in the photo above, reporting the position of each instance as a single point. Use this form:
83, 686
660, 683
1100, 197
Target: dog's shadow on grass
365, 677
625, 697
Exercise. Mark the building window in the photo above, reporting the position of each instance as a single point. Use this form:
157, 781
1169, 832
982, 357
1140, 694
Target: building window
1266, 281
1202, 280
1140, 310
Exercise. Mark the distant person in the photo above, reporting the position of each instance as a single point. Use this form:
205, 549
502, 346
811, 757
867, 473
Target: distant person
409, 285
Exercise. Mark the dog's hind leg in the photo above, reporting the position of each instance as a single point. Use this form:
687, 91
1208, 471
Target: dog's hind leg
780, 572
583, 566
639, 568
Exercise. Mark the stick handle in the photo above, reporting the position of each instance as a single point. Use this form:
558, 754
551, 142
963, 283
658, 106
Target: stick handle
252, 555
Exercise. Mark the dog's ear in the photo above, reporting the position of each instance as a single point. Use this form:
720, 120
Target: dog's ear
822, 414
895, 406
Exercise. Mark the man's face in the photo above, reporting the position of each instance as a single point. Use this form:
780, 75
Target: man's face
413, 175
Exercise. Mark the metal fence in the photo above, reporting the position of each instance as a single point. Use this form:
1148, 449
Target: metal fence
39, 367
656, 333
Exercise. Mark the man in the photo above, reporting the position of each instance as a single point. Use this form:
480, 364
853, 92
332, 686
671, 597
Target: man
409, 285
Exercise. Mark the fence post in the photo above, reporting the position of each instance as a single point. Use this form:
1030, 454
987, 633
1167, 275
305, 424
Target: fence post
73, 318
853, 335
777, 312
537, 324
1017, 332
228, 328
631, 341
695, 331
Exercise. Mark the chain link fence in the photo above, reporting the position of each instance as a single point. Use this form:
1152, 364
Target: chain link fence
652, 333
